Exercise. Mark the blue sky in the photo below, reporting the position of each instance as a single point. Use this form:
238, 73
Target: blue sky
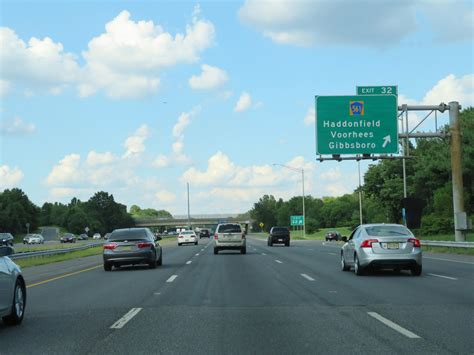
138, 98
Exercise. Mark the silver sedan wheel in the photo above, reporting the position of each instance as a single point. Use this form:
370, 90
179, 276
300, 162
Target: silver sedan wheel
19, 301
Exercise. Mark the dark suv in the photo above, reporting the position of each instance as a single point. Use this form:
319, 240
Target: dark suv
330, 236
204, 233
6, 239
279, 235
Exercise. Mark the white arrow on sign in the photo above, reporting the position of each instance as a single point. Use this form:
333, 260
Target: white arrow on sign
386, 140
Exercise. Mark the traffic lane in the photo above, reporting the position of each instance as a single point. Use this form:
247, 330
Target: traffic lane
245, 305
415, 302
71, 314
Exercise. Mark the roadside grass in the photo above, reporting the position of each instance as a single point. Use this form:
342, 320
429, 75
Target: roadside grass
42, 260
445, 237
319, 235
40, 247
448, 250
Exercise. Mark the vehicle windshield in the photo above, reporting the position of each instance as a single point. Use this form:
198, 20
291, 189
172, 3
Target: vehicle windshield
187, 232
280, 229
230, 228
387, 231
137, 234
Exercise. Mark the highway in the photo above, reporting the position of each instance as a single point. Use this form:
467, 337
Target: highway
273, 300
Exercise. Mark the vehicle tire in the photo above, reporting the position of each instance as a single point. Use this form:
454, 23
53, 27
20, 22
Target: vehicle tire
416, 270
160, 260
270, 243
287, 244
18, 306
196, 243
152, 263
344, 266
107, 266
243, 251
359, 270
179, 244
216, 251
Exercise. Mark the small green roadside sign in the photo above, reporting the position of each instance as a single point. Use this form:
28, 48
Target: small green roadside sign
377, 90
356, 124
297, 220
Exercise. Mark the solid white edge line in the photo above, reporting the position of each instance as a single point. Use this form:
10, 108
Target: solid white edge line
279, 262
309, 278
393, 325
442, 276
264, 254
454, 261
172, 278
126, 318
188, 262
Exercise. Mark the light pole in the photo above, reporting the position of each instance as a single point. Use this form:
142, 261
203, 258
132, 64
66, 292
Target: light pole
302, 182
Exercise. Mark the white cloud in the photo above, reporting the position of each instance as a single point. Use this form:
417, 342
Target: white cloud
66, 171
450, 28
135, 144
244, 102
220, 168
161, 161
310, 117
180, 126
17, 127
307, 23
451, 88
38, 64
94, 158
210, 78
165, 196
331, 174
125, 61
4, 87
9, 177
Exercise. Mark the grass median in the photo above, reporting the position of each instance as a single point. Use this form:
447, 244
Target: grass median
42, 260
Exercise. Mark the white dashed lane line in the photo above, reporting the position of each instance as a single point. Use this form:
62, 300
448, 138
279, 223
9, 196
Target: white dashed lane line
443, 277
309, 278
279, 262
126, 318
264, 254
393, 325
188, 262
172, 278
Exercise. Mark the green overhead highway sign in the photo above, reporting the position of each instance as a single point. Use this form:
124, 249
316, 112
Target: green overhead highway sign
356, 124
377, 90
296, 220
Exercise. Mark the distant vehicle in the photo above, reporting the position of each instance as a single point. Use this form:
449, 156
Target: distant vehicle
96, 236
107, 235
229, 236
33, 239
204, 233
6, 239
83, 236
382, 246
12, 289
68, 238
279, 235
132, 246
333, 235
186, 237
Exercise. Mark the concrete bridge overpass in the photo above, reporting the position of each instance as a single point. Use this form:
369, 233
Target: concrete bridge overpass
208, 221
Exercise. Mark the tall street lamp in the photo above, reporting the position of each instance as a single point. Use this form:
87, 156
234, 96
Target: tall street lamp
302, 182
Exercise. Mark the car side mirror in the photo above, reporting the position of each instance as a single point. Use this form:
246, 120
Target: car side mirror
344, 238
158, 238
6, 251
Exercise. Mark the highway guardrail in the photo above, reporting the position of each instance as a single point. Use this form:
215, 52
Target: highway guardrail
440, 243
33, 254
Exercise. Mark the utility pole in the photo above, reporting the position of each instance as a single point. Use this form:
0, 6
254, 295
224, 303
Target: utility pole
189, 216
460, 220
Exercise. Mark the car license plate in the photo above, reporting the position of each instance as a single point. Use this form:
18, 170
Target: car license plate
392, 245
127, 248
280, 240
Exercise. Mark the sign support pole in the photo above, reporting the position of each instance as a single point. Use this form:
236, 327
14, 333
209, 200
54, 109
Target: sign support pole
360, 195
458, 198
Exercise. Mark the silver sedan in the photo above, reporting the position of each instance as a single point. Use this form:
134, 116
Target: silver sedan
382, 246
12, 289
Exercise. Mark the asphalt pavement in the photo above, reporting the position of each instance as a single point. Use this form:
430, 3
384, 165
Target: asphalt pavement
273, 300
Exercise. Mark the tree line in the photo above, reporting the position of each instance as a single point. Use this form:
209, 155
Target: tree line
101, 213
428, 179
